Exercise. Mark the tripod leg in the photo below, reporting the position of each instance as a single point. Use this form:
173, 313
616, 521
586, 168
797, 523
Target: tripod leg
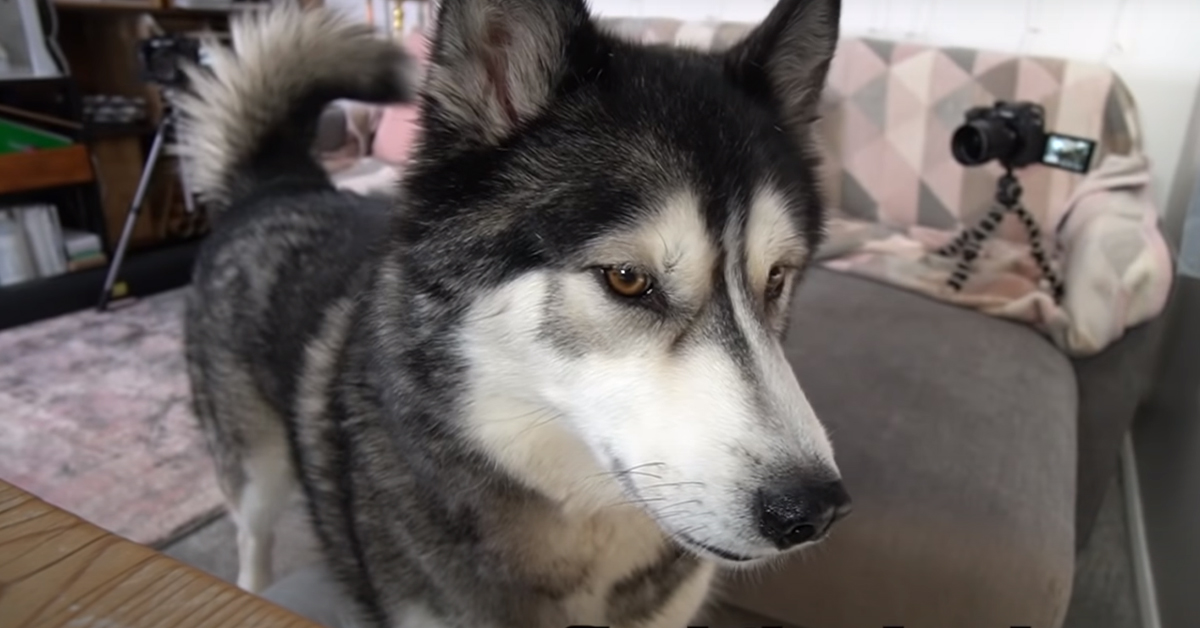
189, 202
956, 246
986, 226
967, 246
962, 270
135, 209
1039, 253
1008, 191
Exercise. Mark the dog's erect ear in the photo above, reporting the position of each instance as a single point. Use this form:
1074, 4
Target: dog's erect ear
786, 58
496, 63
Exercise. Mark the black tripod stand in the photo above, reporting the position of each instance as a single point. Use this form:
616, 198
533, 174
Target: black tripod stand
166, 129
966, 246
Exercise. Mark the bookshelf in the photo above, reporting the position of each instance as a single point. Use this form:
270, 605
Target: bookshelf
93, 180
44, 112
151, 7
110, 5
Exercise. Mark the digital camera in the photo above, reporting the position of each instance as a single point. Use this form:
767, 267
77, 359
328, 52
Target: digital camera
1015, 135
162, 59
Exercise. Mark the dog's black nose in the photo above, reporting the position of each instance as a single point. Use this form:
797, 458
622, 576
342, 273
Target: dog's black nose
794, 512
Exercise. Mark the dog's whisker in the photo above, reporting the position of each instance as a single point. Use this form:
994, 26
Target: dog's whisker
516, 438
647, 464
644, 474
677, 515
633, 502
689, 502
631, 471
670, 484
634, 470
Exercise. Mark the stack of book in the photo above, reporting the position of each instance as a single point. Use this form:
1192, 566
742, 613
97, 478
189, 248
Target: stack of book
83, 250
34, 245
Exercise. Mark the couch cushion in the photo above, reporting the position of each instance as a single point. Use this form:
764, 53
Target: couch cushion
368, 176
955, 433
399, 125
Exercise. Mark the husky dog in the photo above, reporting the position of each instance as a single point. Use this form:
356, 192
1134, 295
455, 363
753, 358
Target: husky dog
544, 384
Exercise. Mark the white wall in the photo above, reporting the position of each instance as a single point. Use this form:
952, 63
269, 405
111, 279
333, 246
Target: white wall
379, 10
1153, 44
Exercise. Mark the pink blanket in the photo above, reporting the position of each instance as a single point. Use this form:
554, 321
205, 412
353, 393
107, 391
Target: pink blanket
1107, 248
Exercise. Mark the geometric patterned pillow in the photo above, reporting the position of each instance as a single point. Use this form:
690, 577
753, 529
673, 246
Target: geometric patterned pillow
891, 107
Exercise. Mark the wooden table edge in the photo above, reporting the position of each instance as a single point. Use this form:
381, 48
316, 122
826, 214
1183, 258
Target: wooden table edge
57, 570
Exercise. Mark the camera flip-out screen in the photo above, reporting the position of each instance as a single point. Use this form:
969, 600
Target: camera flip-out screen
1068, 153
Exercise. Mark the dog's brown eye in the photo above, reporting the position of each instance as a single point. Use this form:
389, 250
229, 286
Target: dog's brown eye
775, 281
627, 281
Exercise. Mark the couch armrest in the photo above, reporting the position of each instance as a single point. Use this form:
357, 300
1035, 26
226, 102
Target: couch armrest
1112, 385
347, 128
331, 130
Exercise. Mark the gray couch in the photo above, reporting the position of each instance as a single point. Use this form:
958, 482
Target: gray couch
976, 452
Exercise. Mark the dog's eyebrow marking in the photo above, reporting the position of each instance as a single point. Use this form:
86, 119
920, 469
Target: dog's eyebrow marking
683, 249
672, 239
671, 259
771, 236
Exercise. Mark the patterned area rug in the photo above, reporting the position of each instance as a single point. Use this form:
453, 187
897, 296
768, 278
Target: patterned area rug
95, 418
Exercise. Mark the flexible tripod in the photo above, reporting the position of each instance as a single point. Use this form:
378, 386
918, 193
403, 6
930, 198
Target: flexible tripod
166, 126
966, 246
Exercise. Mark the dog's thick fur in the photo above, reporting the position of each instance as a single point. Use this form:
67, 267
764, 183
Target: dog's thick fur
486, 430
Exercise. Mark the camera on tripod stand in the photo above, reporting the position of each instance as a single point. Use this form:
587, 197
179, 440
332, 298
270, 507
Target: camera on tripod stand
1015, 135
161, 59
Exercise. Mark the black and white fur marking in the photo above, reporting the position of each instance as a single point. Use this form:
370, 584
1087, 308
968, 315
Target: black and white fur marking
486, 433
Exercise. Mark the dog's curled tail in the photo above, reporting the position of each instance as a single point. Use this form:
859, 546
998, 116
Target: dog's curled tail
250, 116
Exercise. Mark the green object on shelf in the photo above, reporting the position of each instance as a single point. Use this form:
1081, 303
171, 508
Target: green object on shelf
17, 138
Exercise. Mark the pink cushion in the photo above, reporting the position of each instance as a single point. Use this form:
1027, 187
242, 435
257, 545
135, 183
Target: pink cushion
399, 124
396, 134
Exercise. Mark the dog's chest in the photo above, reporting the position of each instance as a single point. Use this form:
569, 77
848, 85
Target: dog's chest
615, 568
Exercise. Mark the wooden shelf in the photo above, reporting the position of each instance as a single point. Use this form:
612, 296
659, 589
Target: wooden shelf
110, 5
158, 7
144, 273
42, 169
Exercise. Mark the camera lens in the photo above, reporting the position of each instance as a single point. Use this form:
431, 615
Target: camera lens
980, 141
